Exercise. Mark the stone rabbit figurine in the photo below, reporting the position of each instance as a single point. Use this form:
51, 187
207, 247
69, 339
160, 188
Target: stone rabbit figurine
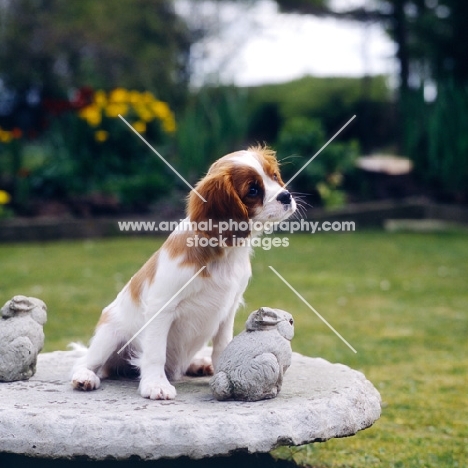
252, 366
21, 337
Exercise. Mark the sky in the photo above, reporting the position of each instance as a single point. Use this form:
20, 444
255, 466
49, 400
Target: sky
258, 45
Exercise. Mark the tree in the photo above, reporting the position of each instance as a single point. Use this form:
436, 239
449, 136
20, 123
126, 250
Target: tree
431, 35
208, 21
56, 45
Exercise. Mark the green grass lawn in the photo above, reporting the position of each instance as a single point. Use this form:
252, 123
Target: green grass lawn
400, 299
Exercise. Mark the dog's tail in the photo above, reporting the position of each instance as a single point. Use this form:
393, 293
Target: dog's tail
78, 349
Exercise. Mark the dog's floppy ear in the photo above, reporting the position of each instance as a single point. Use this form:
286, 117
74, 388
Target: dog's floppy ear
222, 204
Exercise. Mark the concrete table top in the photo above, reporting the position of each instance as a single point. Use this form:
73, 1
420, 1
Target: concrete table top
45, 417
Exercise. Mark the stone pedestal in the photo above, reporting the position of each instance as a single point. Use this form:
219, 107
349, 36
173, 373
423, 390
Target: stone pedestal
44, 417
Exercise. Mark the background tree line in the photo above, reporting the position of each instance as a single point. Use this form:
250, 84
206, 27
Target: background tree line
432, 52
49, 49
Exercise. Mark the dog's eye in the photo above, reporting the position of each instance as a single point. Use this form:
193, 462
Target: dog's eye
275, 177
254, 190
291, 321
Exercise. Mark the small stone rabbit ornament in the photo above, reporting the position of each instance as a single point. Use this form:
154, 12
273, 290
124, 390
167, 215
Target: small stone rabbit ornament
21, 337
252, 366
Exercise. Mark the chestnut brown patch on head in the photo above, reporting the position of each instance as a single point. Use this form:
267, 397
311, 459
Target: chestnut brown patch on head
222, 189
145, 274
267, 158
177, 246
249, 186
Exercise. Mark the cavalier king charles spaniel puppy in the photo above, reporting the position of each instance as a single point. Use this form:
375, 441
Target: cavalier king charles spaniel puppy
167, 312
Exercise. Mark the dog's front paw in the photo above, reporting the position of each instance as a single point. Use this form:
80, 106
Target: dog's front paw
85, 379
157, 389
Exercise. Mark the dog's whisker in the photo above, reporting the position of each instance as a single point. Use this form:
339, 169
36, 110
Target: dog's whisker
291, 156
301, 201
301, 193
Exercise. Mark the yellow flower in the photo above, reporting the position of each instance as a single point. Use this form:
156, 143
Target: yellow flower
92, 114
5, 136
139, 108
160, 109
113, 110
119, 95
143, 112
101, 135
100, 98
5, 197
146, 116
134, 97
140, 126
147, 97
169, 124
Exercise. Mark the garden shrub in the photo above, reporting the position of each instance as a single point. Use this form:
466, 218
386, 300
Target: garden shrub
299, 140
331, 100
91, 150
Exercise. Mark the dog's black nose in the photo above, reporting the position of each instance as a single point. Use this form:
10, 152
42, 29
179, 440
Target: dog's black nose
284, 197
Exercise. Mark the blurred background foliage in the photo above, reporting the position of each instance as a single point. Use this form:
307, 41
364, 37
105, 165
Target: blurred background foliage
436, 138
58, 45
302, 136
67, 69
90, 152
215, 122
